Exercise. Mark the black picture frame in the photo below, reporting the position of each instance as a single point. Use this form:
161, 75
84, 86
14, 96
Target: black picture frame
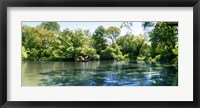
99, 3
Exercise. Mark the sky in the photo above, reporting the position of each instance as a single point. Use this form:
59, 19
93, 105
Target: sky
136, 28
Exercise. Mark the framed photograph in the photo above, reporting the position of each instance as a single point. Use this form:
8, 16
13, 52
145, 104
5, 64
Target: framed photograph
104, 53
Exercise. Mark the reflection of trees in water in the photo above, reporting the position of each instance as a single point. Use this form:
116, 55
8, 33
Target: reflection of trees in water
112, 74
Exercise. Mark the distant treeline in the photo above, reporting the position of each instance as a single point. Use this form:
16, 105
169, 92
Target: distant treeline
46, 42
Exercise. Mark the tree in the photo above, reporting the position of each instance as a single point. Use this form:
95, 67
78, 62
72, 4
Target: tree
66, 44
30, 42
112, 33
140, 42
77, 42
111, 53
99, 42
89, 50
87, 33
134, 46
39, 43
28, 37
163, 40
126, 44
54, 26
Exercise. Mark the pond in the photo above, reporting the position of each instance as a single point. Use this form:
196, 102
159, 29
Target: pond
97, 73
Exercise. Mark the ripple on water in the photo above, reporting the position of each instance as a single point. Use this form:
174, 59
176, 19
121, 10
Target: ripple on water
116, 74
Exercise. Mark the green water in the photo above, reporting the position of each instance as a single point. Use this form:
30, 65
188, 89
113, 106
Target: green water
97, 73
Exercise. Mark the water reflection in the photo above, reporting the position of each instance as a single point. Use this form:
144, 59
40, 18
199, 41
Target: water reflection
97, 73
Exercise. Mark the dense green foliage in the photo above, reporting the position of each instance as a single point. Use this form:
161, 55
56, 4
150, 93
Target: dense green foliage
47, 42
134, 46
99, 41
164, 40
